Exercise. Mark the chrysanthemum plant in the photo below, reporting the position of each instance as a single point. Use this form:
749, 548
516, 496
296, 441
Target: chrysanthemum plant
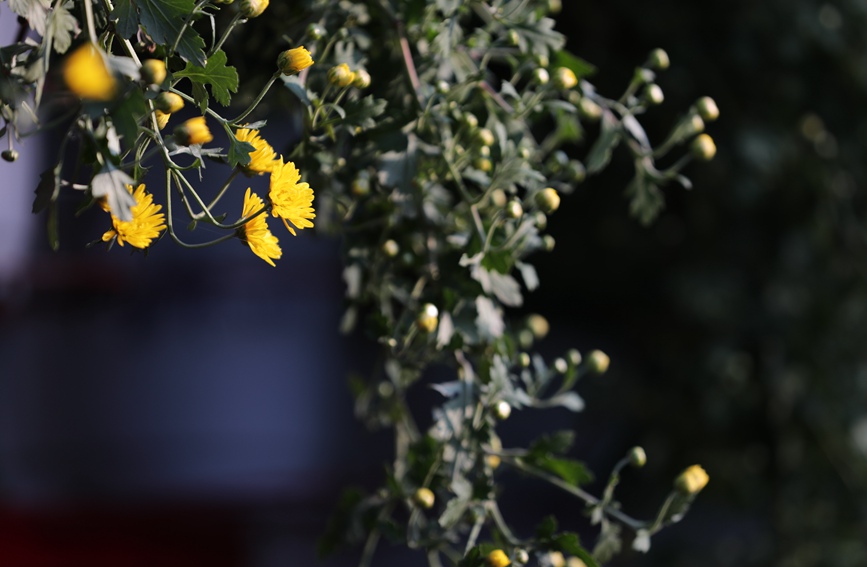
436, 136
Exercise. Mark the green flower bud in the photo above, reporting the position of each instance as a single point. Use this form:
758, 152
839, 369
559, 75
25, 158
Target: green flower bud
554, 6
637, 457
540, 219
362, 79
485, 137
548, 200
524, 360
443, 87
707, 108
513, 38
315, 31
424, 498
469, 120
390, 248
564, 78
498, 198
538, 325
597, 362
703, 147
514, 209
541, 60
522, 557
548, 243
153, 71
589, 109
428, 319
653, 94
560, 365
658, 59
483, 164
253, 8
574, 356
169, 102
540, 76
576, 171
502, 410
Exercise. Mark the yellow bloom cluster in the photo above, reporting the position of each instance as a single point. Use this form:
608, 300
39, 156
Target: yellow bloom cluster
290, 200
87, 74
146, 224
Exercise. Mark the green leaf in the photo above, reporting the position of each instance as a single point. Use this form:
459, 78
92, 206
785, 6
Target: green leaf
239, 152
296, 87
222, 78
125, 17
61, 27
572, 471
34, 11
579, 66
48, 188
339, 524
125, 116
556, 443
163, 20
110, 183
609, 138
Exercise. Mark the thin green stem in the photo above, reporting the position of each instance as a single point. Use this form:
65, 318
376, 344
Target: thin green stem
222, 192
235, 20
258, 99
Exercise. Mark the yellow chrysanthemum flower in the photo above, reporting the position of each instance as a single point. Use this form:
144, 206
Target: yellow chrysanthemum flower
294, 60
87, 75
146, 224
256, 234
290, 200
262, 159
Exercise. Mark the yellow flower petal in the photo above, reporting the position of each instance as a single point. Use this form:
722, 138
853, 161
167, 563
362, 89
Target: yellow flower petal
263, 158
87, 75
146, 224
290, 200
255, 232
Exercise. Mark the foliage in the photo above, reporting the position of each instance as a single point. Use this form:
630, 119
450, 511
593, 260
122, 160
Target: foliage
433, 135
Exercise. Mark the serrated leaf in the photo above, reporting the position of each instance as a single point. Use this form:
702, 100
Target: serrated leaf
529, 275
110, 183
572, 471
61, 27
163, 20
125, 17
222, 79
34, 11
489, 320
125, 116
239, 152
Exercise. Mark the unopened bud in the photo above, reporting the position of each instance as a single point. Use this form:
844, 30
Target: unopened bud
294, 60
390, 248
548, 243
560, 365
524, 360
315, 31
637, 457
703, 148
692, 480
574, 356
576, 171
424, 498
193, 131
514, 209
522, 557
497, 558
538, 325
483, 164
589, 109
169, 102
658, 59
564, 78
341, 75
153, 71
498, 198
362, 79
597, 362
653, 93
428, 319
707, 108
548, 200
485, 137
502, 410
469, 120
253, 8
541, 76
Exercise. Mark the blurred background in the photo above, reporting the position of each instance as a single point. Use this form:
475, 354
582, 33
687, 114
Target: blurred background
736, 325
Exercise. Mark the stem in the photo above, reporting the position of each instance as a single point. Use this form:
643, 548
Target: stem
170, 224
225, 187
259, 98
91, 24
225, 36
186, 25
497, 516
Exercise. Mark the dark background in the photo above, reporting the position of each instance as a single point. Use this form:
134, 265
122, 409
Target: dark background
735, 325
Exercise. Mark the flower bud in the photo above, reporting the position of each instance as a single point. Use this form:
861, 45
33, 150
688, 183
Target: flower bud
560, 365
497, 558
522, 557
443, 87
9, 155
153, 71
513, 38
169, 102
493, 461
548, 243
548, 200
540, 76
502, 410
428, 319
573, 356
294, 60
390, 248
589, 109
469, 120
703, 148
514, 209
564, 78
707, 108
658, 59
424, 498
556, 559
695, 125
498, 198
637, 457
485, 137
315, 31
575, 562
193, 131
554, 6
483, 164
653, 93
597, 362
253, 8
540, 220
541, 60
341, 75
362, 79
692, 480
538, 325
524, 360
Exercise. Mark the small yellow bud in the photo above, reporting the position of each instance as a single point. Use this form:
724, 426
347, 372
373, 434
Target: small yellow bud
87, 75
498, 558
541, 76
253, 8
703, 147
653, 93
193, 131
564, 78
424, 498
524, 360
658, 59
390, 248
538, 325
573, 356
493, 461
597, 362
548, 200
362, 79
483, 164
556, 559
692, 480
695, 125
469, 120
498, 198
294, 60
169, 102
637, 457
153, 71
341, 75
502, 410
575, 562
548, 243
514, 209
428, 319
485, 137
707, 108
